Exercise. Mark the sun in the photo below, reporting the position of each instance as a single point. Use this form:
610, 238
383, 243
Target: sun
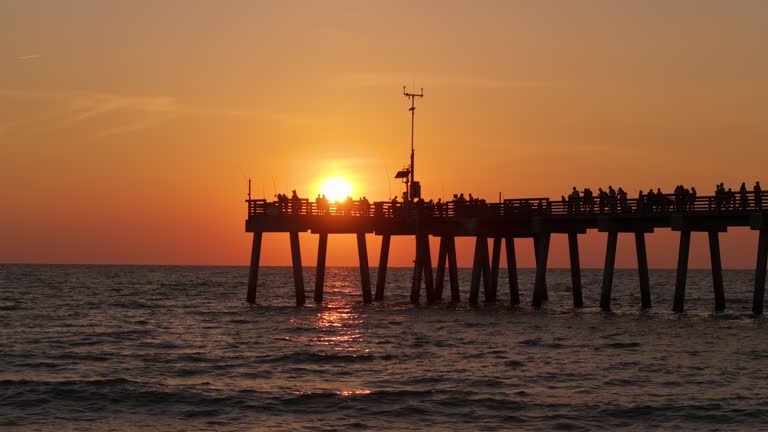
336, 189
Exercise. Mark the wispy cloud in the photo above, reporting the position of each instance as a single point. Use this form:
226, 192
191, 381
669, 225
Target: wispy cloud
29, 57
123, 113
92, 105
390, 79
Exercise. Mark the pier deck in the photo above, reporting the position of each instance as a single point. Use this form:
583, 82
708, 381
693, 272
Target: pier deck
536, 218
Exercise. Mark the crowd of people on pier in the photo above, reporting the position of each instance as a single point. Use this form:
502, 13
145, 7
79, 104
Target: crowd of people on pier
585, 201
682, 199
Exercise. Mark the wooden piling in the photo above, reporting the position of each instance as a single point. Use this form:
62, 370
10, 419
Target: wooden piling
682, 271
573, 248
253, 271
440, 271
429, 282
642, 270
495, 258
514, 288
610, 263
453, 271
365, 273
298, 271
322, 248
717, 270
381, 272
418, 271
474, 287
762, 261
541, 249
488, 295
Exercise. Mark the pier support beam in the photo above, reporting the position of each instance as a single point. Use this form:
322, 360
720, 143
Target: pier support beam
541, 249
762, 260
717, 270
253, 271
453, 271
682, 271
298, 272
495, 258
474, 287
642, 270
322, 248
440, 271
610, 264
573, 248
365, 273
418, 271
381, 273
488, 295
514, 288
429, 282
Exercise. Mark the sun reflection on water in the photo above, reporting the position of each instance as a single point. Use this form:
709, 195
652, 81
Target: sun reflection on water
341, 329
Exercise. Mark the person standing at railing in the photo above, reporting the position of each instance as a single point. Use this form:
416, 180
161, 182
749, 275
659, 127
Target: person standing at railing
589, 201
602, 198
575, 200
393, 207
720, 197
743, 199
365, 206
295, 203
692, 199
758, 196
623, 200
612, 198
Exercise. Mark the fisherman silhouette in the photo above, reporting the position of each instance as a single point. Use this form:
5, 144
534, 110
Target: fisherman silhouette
295, 203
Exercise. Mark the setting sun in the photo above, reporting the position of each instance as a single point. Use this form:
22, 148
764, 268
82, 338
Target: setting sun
336, 189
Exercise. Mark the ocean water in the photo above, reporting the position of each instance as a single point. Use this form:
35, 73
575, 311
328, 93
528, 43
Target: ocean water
176, 348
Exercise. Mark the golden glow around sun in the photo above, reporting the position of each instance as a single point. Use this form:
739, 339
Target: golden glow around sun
336, 189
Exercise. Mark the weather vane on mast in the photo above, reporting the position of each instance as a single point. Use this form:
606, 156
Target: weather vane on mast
415, 191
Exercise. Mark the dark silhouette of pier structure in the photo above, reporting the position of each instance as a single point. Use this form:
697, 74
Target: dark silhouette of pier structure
535, 218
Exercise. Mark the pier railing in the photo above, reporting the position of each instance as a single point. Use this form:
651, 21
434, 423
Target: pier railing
658, 204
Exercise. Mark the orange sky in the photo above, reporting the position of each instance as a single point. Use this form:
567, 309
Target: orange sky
128, 128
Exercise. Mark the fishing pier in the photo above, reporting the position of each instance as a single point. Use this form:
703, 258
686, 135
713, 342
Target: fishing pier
535, 218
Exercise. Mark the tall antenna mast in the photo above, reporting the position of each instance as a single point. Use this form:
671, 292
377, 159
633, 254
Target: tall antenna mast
412, 109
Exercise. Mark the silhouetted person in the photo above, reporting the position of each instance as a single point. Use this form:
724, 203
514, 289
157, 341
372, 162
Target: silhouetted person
589, 201
575, 200
602, 199
365, 206
295, 203
758, 196
650, 200
622, 200
743, 197
692, 199
730, 199
348, 204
